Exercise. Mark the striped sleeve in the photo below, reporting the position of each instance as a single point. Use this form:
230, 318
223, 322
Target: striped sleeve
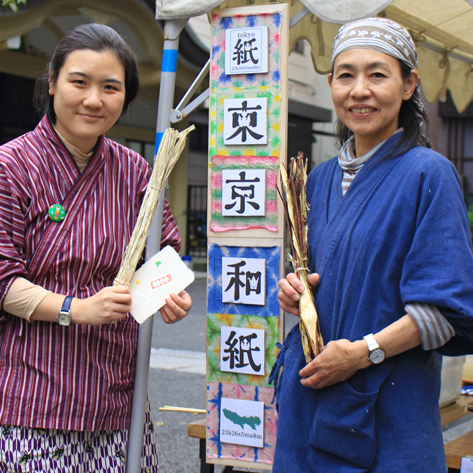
434, 329
169, 234
12, 224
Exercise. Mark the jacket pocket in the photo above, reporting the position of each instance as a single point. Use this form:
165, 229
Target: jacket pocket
344, 424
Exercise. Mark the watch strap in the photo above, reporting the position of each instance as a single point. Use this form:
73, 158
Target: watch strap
66, 305
371, 341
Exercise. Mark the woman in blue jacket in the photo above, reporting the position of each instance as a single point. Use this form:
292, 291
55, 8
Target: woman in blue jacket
390, 253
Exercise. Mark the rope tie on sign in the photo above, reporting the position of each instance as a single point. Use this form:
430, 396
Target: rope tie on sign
418, 37
444, 63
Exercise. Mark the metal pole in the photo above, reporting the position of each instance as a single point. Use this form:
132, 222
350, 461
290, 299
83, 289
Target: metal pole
172, 30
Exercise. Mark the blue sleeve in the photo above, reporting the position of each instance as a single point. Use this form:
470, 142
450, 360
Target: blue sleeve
438, 269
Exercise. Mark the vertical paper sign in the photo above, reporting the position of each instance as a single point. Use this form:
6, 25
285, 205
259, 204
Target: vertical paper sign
245, 121
242, 422
247, 144
242, 350
244, 280
243, 192
246, 50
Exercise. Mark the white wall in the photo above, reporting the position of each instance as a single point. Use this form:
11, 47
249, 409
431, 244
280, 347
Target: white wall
306, 85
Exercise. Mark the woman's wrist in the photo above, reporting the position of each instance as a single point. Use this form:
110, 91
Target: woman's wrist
77, 311
361, 353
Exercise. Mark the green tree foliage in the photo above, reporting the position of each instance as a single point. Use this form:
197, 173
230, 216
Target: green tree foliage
13, 4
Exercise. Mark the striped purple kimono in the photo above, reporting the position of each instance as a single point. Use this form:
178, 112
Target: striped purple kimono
78, 377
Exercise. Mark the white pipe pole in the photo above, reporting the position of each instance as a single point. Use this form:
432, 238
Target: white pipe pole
172, 30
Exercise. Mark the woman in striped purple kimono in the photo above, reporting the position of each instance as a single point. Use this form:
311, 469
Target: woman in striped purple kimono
69, 200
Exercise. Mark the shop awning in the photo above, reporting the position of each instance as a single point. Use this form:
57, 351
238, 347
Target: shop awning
442, 30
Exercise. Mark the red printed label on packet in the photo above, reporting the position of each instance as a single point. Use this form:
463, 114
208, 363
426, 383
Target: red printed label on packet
162, 281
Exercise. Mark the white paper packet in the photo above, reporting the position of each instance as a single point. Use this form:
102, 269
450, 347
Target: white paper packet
163, 274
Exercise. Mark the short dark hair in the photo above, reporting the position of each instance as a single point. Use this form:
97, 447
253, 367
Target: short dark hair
97, 38
412, 118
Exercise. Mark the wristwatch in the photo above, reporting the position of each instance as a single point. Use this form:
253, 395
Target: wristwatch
64, 317
377, 355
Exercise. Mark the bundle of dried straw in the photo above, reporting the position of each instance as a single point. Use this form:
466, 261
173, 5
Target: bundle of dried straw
295, 209
170, 150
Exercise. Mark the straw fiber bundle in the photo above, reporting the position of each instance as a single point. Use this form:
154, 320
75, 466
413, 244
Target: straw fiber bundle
295, 209
169, 152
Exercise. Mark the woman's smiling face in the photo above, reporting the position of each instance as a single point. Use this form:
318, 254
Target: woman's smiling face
367, 92
89, 94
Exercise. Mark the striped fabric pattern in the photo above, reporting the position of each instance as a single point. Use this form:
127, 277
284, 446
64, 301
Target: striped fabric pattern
434, 329
78, 377
347, 179
350, 164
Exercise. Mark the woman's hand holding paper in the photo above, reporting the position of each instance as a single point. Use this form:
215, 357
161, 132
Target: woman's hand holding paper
176, 308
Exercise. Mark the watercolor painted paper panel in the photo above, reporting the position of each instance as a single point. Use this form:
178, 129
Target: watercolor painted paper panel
215, 302
218, 449
215, 322
217, 72
217, 137
239, 164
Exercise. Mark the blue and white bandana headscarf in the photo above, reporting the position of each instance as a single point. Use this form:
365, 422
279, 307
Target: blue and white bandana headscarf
379, 34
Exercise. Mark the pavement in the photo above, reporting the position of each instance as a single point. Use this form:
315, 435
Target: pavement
177, 378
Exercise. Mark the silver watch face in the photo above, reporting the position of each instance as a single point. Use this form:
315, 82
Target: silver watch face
64, 318
377, 356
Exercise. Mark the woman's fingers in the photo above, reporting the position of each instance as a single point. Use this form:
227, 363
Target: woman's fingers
340, 360
287, 287
288, 295
122, 289
176, 308
314, 280
183, 300
287, 304
295, 282
166, 316
290, 290
171, 315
